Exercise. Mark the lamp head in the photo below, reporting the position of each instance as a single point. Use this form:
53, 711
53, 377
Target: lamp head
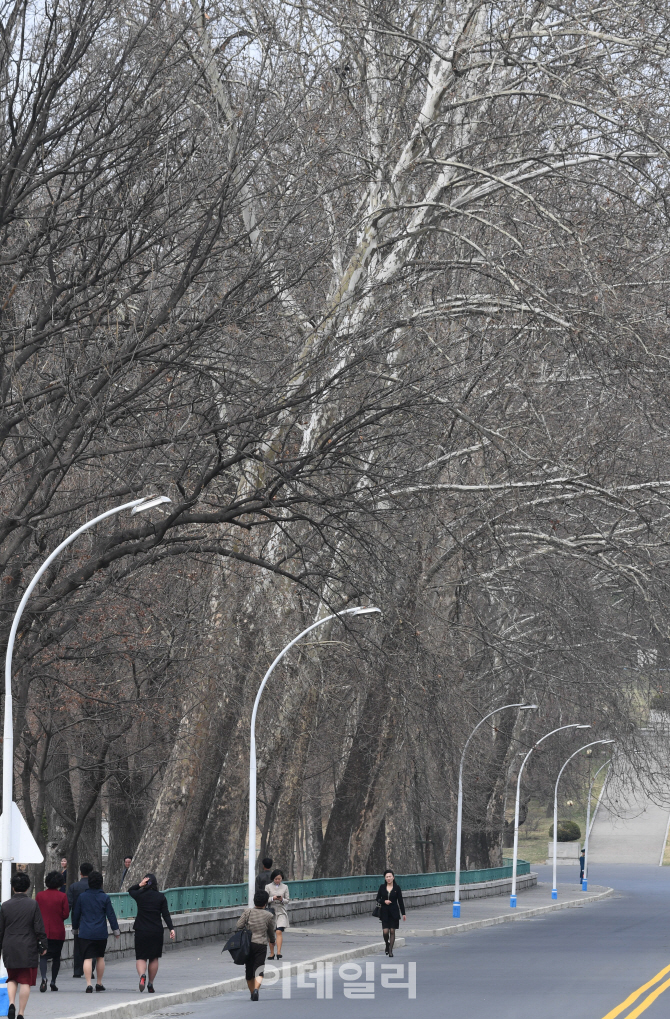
156, 501
529, 707
363, 611
583, 727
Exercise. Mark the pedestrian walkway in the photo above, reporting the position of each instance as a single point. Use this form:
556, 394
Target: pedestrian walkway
629, 827
189, 967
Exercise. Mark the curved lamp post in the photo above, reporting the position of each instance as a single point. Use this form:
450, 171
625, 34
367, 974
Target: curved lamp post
554, 889
588, 825
137, 506
459, 813
252, 749
573, 725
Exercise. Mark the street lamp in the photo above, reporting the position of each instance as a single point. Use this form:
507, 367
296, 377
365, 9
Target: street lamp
457, 883
554, 890
137, 506
573, 725
358, 611
588, 824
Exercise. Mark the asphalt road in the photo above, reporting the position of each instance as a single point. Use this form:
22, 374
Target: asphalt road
579, 963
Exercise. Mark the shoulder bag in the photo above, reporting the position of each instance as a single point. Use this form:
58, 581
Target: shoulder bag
239, 944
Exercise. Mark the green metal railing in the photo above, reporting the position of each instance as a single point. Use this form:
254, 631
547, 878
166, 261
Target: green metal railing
199, 897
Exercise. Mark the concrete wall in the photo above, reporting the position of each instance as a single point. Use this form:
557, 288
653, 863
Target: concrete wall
212, 924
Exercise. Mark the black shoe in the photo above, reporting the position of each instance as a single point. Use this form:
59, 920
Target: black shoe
143, 982
89, 990
280, 956
53, 986
99, 987
11, 1012
150, 988
254, 995
390, 953
43, 987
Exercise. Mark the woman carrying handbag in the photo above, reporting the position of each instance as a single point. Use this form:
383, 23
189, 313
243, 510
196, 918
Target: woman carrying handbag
261, 923
391, 906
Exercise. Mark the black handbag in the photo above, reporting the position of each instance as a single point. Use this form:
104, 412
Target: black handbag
377, 911
239, 946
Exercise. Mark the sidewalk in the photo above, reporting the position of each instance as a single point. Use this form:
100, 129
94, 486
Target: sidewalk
197, 967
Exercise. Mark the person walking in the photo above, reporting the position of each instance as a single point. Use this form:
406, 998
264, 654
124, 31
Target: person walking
582, 857
63, 867
54, 908
91, 912
261, 923
73, 893
152, 909
22, 940
264, 878
389, 898
279, 897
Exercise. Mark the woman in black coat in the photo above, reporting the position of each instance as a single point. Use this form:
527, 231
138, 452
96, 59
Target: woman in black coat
389, 899
152, 909
22, 940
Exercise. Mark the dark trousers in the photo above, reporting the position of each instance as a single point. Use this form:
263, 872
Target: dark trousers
54, 949
77, 959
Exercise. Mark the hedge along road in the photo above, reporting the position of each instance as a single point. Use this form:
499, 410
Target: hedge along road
607, 960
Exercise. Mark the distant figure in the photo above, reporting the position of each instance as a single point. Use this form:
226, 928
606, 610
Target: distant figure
54, 908
92, 910
582, 858
63, 867
152, 909
22, 940
261, 923
127, 860
73, 893
279, 897
265, 877
389, 897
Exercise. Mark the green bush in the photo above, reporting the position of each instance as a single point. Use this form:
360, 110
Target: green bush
568, 831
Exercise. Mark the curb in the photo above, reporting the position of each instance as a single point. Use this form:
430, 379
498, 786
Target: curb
145, 1006
158, 1002
462, 928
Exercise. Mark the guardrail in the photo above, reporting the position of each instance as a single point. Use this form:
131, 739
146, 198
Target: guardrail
199, 897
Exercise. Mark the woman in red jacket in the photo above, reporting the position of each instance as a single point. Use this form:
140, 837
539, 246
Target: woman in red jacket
54, 908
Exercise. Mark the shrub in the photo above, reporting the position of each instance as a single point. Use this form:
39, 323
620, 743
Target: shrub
568, 831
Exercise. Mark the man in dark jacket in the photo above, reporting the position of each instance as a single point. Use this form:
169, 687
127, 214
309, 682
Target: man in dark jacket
264, 877
73, 893
91, 912
22, 941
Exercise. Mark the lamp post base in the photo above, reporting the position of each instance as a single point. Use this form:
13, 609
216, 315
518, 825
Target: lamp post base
512, 901
456, 911
554, 893
4, 997
584, 884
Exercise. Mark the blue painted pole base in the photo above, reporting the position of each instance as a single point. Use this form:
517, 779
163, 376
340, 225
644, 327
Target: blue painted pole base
584, 884
512, 901
4, 997
456, 911
554, 893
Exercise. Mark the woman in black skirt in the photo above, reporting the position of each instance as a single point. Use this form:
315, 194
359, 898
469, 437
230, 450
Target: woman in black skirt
389, 899
152, 909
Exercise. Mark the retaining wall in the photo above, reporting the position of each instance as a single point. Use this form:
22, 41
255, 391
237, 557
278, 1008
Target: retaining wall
211, 924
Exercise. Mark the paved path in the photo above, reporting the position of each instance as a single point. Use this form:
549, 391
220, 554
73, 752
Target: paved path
629, 828
581, 963
192, 966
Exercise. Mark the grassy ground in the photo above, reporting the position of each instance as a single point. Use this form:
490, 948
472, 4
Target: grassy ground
534, 833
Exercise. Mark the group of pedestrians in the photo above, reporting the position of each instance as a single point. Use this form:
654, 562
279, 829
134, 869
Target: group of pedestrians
32, 931
267, 919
